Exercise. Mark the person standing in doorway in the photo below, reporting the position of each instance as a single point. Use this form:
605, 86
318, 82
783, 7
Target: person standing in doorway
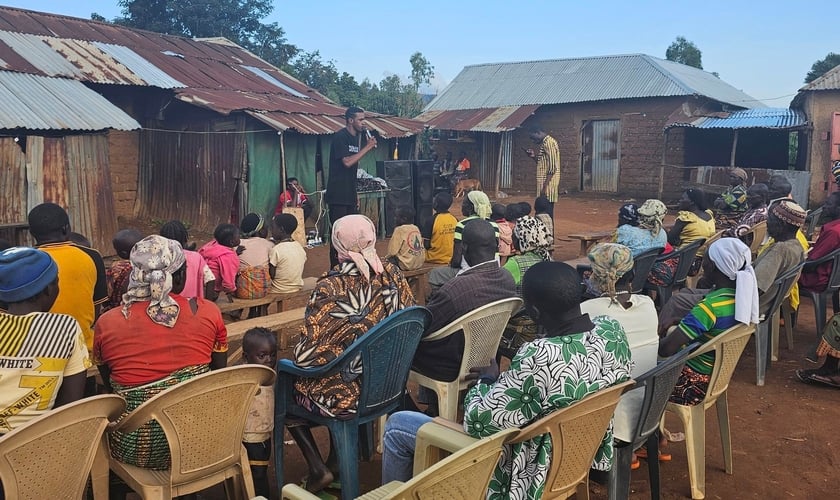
548, 165
345, 153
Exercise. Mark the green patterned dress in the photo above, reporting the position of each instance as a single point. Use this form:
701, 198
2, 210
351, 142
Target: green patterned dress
546, 374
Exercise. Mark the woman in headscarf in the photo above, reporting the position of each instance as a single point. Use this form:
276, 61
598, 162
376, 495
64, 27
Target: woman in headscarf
533, 243
612, 271
351, 298
733, 299
155, 340
628, 215
647, 231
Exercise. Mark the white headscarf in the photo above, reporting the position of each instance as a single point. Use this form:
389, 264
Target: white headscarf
732, 257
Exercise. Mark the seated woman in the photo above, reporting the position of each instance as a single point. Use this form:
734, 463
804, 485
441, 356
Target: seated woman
694, 221
574, 356
734, 198
734, 299
647, 233
347, 301
815, 277
757, 198
155, 340
829, 373
612, 270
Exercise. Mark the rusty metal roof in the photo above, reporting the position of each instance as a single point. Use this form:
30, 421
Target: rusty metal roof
41, 103
212, 73
478, 120
828, 81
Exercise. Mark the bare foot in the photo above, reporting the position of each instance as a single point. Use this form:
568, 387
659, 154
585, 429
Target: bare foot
314, 484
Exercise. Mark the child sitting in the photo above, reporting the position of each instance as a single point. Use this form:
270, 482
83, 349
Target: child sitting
117, 275
259, 347
406, 246
221, 257
201, 282
287, 258
542, 211
505, 231
442, 237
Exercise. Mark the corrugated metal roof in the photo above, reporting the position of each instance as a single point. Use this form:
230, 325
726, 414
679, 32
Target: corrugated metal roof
386, 126
147, 71
778, 118
478, 120
42, 103
829, 81
587, 79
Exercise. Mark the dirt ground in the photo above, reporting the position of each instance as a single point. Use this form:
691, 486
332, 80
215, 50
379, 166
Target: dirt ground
780, 432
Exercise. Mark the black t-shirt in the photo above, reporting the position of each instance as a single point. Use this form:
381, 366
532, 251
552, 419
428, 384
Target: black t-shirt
341, 184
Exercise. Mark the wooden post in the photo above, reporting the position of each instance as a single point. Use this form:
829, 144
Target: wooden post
734, 147
282, 162
499, 164
662, 166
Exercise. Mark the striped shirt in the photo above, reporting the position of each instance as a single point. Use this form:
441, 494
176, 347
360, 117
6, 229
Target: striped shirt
548, 165
711, 317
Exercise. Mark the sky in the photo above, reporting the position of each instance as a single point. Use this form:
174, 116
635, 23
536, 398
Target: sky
762, 48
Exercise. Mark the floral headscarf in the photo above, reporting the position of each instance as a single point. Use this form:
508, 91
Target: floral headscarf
628, 214
354, 238
481, 204
533, 236
651, 214
610, 261
153, 260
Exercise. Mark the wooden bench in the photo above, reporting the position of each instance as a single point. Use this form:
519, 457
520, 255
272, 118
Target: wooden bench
284, 301
587, 239
418, 280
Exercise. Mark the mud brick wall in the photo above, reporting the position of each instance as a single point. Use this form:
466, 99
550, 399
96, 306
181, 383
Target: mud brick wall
124, 158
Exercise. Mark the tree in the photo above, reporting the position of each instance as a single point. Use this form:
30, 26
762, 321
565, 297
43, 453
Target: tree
822, 66
236, 20
421, 71
684, 52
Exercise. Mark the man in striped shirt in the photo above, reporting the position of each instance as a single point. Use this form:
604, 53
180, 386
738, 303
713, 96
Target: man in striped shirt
548, 165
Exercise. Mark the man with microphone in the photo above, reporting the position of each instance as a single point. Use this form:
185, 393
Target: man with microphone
345, 153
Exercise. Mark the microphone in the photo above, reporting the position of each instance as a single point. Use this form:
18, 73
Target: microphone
369, 137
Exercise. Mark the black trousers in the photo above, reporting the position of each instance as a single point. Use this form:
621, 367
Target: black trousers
258, 456
337, 212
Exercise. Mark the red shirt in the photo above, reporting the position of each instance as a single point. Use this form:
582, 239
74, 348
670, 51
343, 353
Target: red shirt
828, 241
139, 351
294, 200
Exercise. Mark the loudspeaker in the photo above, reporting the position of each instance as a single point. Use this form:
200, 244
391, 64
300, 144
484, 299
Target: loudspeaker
398, 176
424, 217
424, 182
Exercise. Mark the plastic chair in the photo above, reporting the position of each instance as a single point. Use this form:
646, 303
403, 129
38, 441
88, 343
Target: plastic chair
483, 328
52, 455
203, 419
458, 477
820, 299
686, 256
811, 223
642, 264
691, 281
727, 347
576, 433
767, 331
657, 385
385, 351
759, 234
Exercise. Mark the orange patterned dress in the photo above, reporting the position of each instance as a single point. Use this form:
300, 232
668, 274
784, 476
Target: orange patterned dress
343, 307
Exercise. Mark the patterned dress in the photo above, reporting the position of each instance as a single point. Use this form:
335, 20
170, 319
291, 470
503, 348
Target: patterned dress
546, 374
342, 308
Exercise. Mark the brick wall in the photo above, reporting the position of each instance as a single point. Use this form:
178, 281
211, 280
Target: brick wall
124, 158
641, 144
819, 107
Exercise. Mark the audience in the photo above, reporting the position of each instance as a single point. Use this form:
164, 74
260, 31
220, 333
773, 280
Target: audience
439, 243
757, 198
287, 259
117, 274
405, 249
253, 280
506, 248
81, 269
221, 257
347, 301
542, 211
574, 356
200, 282
815, 277
734, 198
39, 346
533, 243
642, 229
154, 341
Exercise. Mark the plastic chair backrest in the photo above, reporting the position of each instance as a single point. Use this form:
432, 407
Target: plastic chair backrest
642, 264
576, 433
834, 278
711, 239
811, 222
658, 384
483, 328
758, 232
784, 284
461, 475
203, 419
728, 347
51, 455
686, 255
386, 352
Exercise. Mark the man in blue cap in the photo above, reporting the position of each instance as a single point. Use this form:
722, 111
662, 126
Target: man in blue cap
43, 358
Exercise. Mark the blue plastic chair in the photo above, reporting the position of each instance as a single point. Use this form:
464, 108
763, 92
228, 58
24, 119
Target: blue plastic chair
386, 351
658, 384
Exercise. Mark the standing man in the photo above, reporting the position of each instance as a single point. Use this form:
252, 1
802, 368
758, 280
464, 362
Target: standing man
345, 153
548, 165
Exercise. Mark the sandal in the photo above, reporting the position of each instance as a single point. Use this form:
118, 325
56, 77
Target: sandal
816, 378
663, 457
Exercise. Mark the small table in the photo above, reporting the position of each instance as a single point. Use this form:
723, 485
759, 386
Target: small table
587, 239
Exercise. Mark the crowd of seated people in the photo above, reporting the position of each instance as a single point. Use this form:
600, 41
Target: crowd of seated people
162, 326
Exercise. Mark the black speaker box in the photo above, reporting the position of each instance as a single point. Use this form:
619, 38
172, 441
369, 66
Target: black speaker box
398, 176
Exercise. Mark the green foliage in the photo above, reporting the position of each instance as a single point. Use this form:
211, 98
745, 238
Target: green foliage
822, 66
236, 20
684, 52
